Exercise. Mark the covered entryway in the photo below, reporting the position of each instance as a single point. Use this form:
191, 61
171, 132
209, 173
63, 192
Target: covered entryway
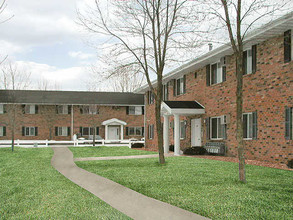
177, 109
114, 129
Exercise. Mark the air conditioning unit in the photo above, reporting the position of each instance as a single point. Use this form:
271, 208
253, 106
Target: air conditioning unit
225, 119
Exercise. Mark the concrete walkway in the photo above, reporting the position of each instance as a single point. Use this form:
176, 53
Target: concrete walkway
121, 157
127, 201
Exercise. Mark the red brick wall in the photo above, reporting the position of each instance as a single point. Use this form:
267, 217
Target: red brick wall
47, 115
267, 91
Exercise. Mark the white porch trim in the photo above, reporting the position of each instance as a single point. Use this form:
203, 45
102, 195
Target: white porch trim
115, 122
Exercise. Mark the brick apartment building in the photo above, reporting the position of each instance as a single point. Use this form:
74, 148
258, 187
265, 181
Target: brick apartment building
199, 105
58, 115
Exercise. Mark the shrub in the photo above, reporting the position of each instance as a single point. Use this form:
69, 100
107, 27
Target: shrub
195, 151
171, 148
290, 164
137, 145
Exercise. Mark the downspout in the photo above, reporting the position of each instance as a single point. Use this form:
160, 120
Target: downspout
144, 119
72, 122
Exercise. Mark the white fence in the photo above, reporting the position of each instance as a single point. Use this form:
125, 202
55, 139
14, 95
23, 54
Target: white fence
77, 143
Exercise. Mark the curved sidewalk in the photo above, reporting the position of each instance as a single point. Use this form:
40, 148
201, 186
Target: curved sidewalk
127, 201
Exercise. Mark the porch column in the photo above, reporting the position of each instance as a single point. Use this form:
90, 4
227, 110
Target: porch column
166, 134
122, 135
176, 135
106, 132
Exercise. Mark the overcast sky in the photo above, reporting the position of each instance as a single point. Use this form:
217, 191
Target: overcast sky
43, 37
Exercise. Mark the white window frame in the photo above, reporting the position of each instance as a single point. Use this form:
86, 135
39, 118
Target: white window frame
30, 109
62, 131
184, 125
91, 131
1, 108
29, 131
151, 132
219, 71
218, 128
1, 131
135, 110
90, 110
180, 91
249, 126
62, 109
135, 129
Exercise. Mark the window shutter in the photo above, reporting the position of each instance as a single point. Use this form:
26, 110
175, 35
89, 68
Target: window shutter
184, 84
4, 109
127, 131
56, 108
97, 131
208, 128
174, 87
224, 73
287, 46
224, 127
36, 109
68, 131
80, 131
81, 110
254, 125
127, 110
23, 109
254, 60
142, 109
4, 131
36, 131
23, 131
208, 75
288, 123
244, 62
56, 131
142, 131
69, 109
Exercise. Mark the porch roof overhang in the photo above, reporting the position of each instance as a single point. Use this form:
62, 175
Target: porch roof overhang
114, 121
182, 108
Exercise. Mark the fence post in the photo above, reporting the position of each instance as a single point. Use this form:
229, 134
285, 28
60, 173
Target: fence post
17, 142
129, 143
47, 143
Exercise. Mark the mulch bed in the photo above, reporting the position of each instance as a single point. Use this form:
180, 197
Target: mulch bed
250, 162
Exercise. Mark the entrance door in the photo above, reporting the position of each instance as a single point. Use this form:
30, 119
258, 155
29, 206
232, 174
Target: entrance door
113, 133
196, 132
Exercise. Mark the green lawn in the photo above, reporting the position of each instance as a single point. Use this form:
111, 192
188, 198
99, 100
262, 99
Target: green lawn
206, 187
30, 188
107, 151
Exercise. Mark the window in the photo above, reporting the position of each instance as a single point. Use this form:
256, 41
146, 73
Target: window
249, 60
85, 131
289, 123
151, 97
182, 129
30, 109
2, 111
135, 131
216, 73
2, 131
62, 109
288, 49
151, 131
180, 86
249, 125
135, 110
29, 131
89, 110
165, 92
216, 128
62, 131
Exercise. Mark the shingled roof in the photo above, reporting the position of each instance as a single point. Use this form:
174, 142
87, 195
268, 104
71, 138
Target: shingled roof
70, 97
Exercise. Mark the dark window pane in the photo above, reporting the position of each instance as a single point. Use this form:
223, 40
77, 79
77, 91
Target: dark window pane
214, 127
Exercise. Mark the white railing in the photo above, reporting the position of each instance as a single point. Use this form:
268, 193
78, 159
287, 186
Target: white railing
77, 143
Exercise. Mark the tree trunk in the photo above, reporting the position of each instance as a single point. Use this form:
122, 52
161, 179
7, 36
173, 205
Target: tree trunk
239, 121
94, 136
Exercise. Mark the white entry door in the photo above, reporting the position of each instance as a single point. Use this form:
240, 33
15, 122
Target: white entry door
196, 132
113, 133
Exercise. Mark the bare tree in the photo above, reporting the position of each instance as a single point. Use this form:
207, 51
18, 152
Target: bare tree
238, 17
146, 35
13, 79
44, 84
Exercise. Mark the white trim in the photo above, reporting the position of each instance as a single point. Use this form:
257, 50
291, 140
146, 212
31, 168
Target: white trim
114, 121
165, 109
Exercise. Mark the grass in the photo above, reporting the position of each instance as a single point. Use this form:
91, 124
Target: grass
30, 188
107, 151
206, 187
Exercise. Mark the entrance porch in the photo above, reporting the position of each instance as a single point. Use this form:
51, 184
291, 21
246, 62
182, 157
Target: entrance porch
114, 129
